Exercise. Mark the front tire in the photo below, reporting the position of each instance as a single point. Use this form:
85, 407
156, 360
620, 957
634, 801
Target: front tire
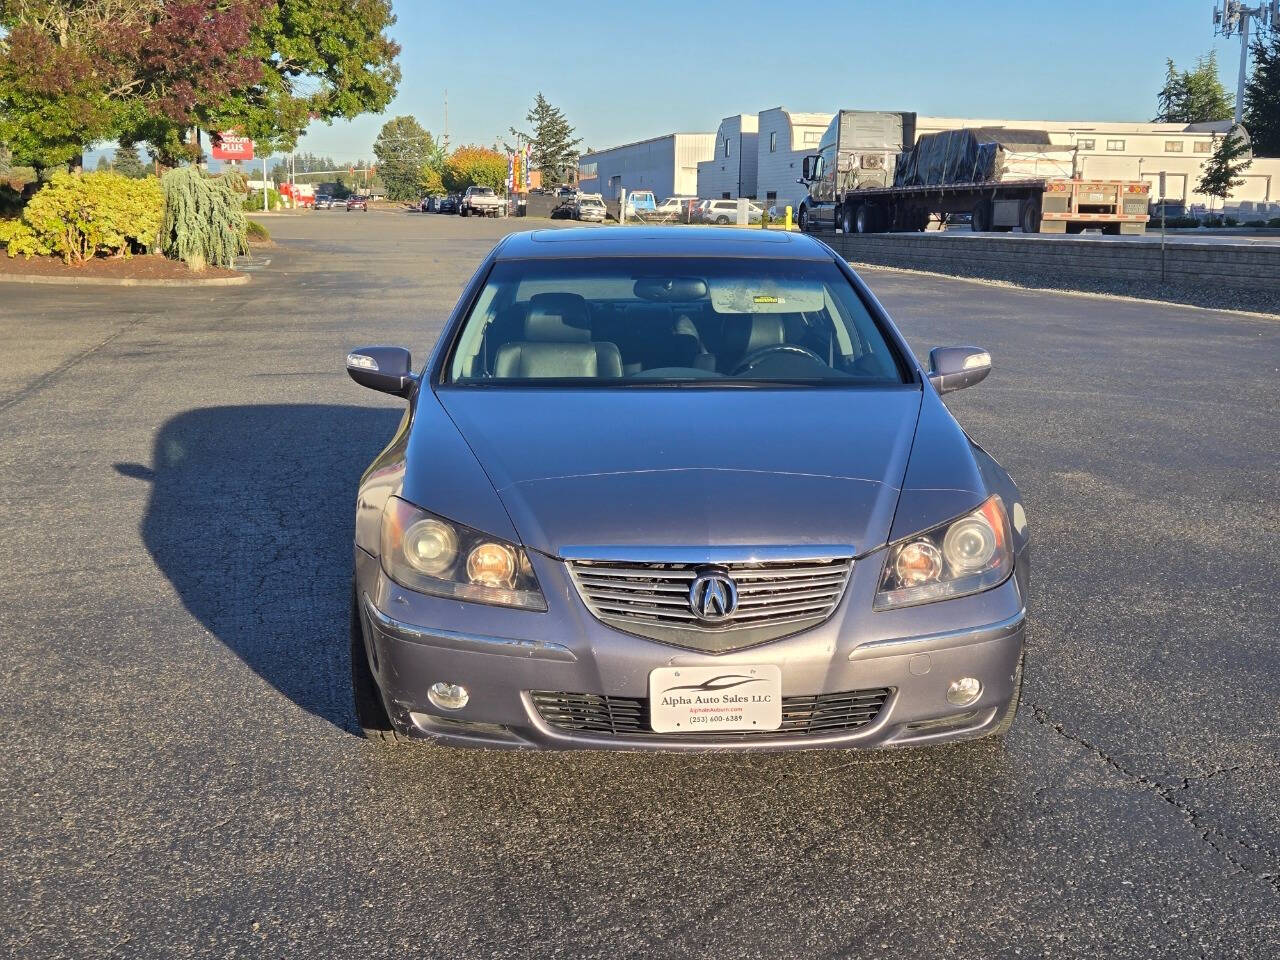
802, 219
1006, 721
371, 714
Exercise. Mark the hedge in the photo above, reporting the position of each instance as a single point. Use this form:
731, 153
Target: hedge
80, 216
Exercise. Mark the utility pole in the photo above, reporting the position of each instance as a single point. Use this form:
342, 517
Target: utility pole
446, 120
1231, 17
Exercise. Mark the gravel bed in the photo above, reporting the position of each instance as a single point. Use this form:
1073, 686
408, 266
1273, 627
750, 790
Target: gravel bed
1196, 295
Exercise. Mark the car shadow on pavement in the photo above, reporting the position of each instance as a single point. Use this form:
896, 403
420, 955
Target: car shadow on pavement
251, 518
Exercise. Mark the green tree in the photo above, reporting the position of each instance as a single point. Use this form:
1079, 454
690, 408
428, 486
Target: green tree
127, 162
1262, 95
322, 60
103, 163
1221, 173
555, 149
1194, 96
406, 154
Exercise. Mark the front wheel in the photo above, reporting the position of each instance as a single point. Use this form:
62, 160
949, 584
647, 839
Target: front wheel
1006, 721
371, 714
802, 219
722, 219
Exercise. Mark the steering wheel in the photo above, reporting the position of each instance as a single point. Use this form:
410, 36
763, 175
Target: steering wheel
753, 358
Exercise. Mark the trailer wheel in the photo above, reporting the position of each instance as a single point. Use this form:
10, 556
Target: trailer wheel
980, 220
1029, 216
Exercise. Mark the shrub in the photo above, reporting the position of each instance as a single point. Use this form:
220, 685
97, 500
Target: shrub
1231, 221
257, 232
204, 223
253, 200
1175, 222
1255, 223
78, 216
1274, 222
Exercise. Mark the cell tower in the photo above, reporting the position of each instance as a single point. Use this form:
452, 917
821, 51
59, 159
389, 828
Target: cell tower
1231, 17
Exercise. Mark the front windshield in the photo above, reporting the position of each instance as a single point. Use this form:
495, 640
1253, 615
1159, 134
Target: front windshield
703, 321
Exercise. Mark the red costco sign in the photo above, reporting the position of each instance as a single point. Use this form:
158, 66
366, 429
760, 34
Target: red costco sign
229, 146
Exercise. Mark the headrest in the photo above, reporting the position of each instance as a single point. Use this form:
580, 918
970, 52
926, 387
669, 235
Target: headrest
766, 331
557, 318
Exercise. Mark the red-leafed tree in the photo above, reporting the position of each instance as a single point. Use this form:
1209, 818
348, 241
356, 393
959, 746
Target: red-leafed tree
73, 72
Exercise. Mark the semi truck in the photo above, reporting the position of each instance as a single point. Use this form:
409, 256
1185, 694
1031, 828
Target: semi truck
872, 175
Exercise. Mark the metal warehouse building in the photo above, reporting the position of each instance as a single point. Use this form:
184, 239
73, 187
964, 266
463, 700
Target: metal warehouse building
667, 165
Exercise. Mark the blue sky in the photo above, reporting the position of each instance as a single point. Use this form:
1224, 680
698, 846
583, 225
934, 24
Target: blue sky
624, 72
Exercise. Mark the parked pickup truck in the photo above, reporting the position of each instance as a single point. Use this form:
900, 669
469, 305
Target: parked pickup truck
481, 202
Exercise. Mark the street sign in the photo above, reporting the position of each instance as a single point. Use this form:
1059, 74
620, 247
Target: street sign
230, 146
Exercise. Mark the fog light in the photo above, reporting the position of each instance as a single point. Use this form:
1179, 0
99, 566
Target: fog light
962, 692
452, 696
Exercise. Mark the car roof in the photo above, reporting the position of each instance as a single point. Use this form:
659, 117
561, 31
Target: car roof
670, 241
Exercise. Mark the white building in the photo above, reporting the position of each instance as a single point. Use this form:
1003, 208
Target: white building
1170, 153
786, 138
667, 165
731, 173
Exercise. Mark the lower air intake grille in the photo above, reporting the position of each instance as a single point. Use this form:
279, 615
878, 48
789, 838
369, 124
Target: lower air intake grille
810, 716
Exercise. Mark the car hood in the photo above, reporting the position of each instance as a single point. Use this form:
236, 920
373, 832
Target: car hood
692, 467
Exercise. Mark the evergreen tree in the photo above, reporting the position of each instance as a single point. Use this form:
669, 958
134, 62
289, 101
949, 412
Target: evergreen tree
127, 162
103, 162
1222, 170
555, 149
1262, 95
1194, 96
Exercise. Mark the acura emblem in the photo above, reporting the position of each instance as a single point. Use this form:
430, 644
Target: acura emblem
713, 597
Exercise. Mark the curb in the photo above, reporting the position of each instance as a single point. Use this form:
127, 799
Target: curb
124, 281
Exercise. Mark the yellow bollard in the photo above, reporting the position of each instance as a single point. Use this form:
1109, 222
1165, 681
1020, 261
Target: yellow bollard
788, 219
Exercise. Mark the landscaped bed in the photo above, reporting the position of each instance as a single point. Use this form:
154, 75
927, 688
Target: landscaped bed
142, 267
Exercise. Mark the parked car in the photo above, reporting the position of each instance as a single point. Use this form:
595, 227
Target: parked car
638, 583
675, 208
481, 202
726, 211
324, 201
589, 207
357, 203
447, 204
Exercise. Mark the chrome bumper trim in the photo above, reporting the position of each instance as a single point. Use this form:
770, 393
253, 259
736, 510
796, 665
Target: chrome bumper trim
467, 642
933, 641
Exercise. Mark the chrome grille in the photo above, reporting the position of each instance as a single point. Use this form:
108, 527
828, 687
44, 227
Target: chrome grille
776, 598
806, 716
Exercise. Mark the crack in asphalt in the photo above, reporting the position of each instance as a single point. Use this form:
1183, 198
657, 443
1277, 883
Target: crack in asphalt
39, 382
1208, 831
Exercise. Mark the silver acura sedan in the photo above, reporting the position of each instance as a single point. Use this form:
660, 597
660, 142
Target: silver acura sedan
682, 489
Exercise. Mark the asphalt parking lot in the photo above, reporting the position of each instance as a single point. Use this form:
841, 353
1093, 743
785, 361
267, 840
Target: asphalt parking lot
182, 775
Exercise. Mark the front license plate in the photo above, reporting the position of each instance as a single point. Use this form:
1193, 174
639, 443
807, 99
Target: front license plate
714, 699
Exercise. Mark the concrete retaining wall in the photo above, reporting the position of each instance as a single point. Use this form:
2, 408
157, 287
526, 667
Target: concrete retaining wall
1013, 257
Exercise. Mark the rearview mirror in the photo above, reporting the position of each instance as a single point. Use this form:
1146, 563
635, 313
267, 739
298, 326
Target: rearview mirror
954, 368
677, 289
806, 168
389, 369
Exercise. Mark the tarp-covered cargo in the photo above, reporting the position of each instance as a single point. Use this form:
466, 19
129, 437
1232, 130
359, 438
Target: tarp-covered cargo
981, 155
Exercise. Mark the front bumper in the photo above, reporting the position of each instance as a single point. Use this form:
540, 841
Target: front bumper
501, 670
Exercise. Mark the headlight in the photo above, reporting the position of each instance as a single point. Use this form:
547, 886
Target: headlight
966, 555
429, 554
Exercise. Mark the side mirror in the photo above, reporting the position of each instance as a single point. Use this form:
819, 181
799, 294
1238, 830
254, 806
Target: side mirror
389, 369
806, 168
954, 368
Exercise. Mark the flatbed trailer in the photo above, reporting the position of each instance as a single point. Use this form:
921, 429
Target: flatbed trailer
1038, 205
